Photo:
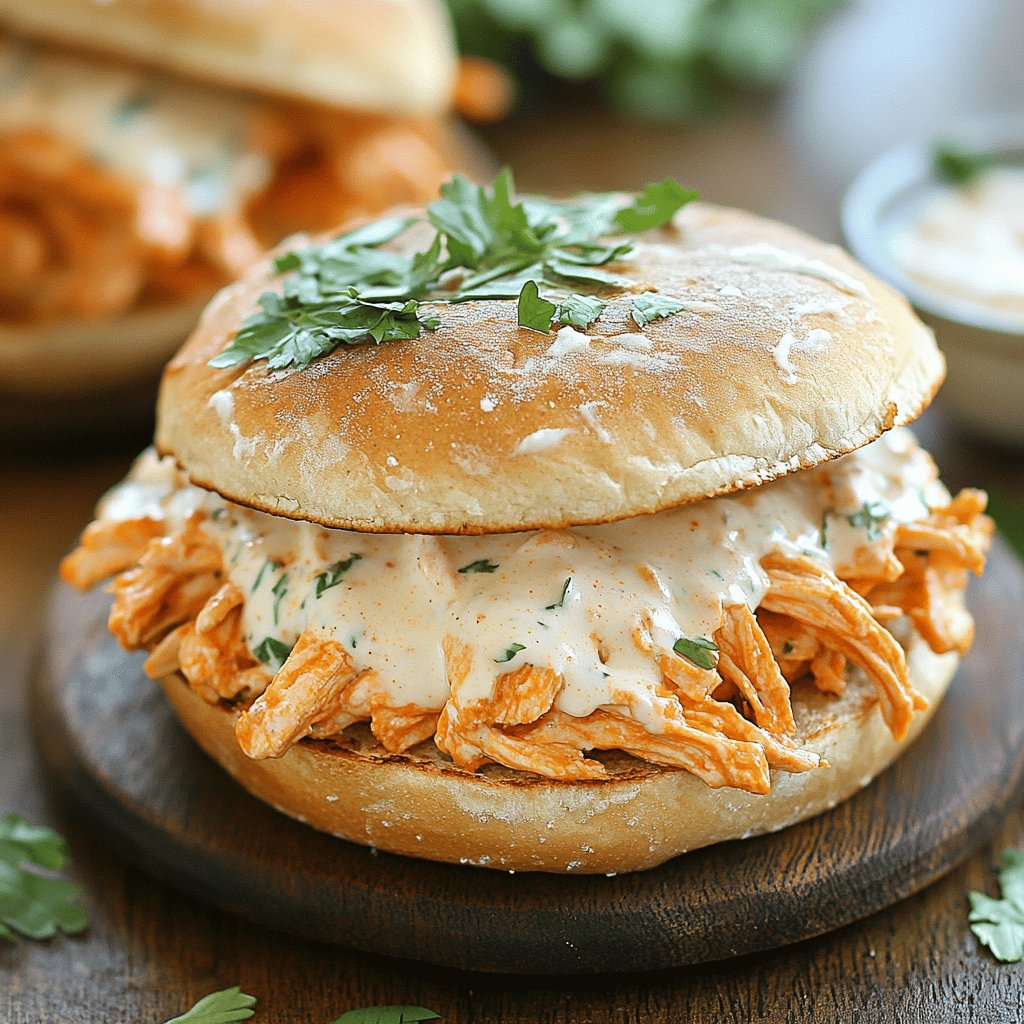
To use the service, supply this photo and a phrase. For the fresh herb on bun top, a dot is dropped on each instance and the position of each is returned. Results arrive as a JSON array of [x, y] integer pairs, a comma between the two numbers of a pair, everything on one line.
[[559, 535]]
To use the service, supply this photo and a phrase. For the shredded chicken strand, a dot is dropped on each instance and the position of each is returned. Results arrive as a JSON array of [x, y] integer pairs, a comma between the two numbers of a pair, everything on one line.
[[729, 725]]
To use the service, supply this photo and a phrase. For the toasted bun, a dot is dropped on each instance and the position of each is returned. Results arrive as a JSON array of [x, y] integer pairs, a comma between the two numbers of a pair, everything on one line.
[[392, 56], [640, 817], [790, 355]]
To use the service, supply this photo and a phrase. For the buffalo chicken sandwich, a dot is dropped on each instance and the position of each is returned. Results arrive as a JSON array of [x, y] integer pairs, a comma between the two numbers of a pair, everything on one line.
[[546, 535], [150, 152]]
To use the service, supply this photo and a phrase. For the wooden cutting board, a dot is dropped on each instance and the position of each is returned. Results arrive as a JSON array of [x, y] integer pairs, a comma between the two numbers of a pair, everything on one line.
[[114, 746]]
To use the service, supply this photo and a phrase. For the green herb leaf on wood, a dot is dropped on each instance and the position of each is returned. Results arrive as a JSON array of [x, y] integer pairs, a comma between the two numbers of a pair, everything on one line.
[[225, 1007], [387, 1015], [33, 903], [999, 923]]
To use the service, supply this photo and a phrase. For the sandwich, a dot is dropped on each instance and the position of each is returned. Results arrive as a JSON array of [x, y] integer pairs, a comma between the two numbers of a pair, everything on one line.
[[151, 152], [546, 535]]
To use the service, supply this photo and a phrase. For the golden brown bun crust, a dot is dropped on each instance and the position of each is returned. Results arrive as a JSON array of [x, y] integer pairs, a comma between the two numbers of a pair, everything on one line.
[[639, 818], [391, 56], [477, 427]]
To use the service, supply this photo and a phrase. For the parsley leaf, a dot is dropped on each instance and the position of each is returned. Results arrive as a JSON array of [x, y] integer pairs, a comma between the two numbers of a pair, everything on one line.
[[292, 330], [279, 589], [387, 1015], [488, 244], [823, 532], [535, 313], [334, 573], [480, 565], [697, 649], [999, 923], [871, 515], [34, 904], [959, 165], [510, 652], [225, 1007], [654, 207], [651, 306], [272, 652], [579, 311], [561, 599]]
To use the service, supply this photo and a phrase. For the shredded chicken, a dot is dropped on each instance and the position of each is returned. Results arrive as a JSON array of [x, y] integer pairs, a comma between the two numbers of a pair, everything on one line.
[[83, 240], [730, 724]]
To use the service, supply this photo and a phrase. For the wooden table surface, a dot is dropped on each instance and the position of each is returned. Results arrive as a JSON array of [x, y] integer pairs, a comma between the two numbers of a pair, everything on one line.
[[150, 952]]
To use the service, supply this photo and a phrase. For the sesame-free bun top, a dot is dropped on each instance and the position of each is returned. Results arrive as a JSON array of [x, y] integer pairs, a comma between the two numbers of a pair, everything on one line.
[[790, 354], [388, 56]]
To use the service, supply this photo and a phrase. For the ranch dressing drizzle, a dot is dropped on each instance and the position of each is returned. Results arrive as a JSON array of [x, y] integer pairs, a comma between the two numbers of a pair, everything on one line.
[[670, 574], [144, 125]]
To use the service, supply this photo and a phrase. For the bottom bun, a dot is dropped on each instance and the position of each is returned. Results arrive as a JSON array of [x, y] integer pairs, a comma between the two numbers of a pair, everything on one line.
[[420, 805]]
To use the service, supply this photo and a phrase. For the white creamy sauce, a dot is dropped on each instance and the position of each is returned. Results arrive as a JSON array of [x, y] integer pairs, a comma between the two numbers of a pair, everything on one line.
[[144, 125], [771, 257], [391, 600], [816, 340], [542, 440], [968, 242]]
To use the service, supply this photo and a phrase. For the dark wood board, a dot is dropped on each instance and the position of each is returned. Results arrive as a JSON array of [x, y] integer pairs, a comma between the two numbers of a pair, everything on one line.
[[115, 747]]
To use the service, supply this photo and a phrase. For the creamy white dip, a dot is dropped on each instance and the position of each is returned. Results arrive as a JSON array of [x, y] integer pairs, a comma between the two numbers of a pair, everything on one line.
[[967, 242]]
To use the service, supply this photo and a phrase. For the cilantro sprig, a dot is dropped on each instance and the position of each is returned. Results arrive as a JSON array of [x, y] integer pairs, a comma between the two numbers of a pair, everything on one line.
[[652, 306], [487, 243], [480, 565], [871, 515], [387, 1015], [698, 650], [335, 573], [510, 652], [539, 314], [999, 923], [34, 903], [958, 165], [272, 652], [228, 1006]]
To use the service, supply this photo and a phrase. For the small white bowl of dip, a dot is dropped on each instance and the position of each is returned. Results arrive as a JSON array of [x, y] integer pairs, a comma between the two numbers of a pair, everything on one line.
[[957, 252]]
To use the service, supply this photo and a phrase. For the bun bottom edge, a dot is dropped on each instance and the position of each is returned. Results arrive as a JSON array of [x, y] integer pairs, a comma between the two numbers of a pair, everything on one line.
[[642, 816]]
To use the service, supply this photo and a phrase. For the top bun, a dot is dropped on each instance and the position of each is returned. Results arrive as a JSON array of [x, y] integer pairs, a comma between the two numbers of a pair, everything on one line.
[[790, 354], [387, 56]]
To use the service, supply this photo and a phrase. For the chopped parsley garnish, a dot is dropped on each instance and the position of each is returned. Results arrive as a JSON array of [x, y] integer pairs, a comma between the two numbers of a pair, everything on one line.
[[958, 164], [652, 306], [387, 1015], [334, 573], [535, 312], [654, 207], [538, 314], [787, 647], [270, 564], [293, 329], [32, 902], [226, 1007], [487, 244], [561, 598], [480, 565], [871, 515], [823, 531], [510, 652], [999, 923], [272, 652], [697, 649], [279, 589]]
